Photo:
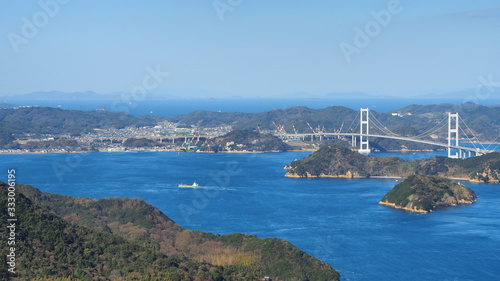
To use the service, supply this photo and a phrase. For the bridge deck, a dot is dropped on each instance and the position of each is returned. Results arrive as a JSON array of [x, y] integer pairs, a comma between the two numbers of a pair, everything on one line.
[[482, 151]]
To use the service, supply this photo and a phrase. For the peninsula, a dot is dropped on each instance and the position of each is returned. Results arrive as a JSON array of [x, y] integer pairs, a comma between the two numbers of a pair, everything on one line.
[[341, 162]]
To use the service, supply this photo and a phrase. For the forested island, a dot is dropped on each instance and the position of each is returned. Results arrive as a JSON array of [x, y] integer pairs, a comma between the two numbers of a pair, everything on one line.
[[341, 162], [422, 194], [129, 239]]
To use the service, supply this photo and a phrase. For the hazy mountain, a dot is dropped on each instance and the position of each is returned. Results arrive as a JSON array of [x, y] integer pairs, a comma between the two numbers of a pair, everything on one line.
[[57, 95], [476, 95], [6, 105]]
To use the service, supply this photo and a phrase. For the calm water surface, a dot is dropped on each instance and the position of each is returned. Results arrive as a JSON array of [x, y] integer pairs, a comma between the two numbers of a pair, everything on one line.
[[337, 220]]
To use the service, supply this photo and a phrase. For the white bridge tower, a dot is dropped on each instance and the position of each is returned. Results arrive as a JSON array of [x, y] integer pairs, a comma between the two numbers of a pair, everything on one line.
[[364, 130], [453, 131]]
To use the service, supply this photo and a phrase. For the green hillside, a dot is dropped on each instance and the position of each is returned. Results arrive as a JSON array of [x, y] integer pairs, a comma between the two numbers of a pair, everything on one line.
[[135, 222], [48, 246], [48, 120]]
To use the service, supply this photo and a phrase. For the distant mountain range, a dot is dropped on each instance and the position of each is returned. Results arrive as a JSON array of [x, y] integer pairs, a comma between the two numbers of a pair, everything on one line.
[[56, 95], [468, 95]]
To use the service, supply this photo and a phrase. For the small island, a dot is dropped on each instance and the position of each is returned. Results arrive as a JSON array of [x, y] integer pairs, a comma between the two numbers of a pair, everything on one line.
[[422, 194]]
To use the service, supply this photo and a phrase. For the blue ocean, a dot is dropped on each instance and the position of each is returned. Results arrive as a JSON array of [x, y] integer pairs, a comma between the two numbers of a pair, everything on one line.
[[336, 220]]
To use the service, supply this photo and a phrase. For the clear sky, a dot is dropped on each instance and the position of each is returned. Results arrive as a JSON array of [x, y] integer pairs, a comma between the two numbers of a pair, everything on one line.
[[251, 48]]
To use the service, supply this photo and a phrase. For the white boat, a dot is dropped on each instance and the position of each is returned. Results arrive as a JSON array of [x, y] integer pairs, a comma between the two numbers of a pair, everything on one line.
[[194, 185]]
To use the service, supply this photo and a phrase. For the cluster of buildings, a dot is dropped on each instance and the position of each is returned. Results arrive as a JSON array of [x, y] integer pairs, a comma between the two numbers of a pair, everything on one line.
[[167, 135]]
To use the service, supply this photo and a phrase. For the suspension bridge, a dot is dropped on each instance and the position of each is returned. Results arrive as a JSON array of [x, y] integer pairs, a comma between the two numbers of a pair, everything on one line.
[[368, 121]]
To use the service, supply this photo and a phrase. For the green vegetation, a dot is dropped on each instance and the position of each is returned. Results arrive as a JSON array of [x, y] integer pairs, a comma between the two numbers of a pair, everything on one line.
[[47, 120], [137, 143], [330, 117], [46, 245], [245, 140], [336, 161], [67, 144], [420, 193], [132, 239]]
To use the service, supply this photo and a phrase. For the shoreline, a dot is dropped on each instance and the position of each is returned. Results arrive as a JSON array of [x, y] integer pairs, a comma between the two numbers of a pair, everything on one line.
[[347, 176], [137, 150], [404, 208], [295, 176], [177, 150]]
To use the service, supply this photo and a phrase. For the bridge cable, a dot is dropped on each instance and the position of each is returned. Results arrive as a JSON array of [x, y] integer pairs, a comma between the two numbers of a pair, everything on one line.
[[470, 140], [353, 120], [439, 129], [382, 127], [471, 132], [433, 129], [493, 143]]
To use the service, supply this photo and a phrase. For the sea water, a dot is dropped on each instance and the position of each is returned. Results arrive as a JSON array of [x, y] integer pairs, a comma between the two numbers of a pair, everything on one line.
[[336, 220]]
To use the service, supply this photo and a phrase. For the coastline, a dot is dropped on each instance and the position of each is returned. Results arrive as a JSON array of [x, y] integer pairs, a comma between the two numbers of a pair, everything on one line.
[[403, 208], [349, 176], [136, 150], [340, 176], [346, 176], [175, 150]]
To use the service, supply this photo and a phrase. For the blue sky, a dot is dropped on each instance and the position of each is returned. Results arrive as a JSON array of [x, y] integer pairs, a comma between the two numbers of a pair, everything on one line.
[[256, 49]]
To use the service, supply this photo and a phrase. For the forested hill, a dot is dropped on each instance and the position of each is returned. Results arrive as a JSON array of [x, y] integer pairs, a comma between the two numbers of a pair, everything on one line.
[[46, 246], [336, 161], [49, 120], [330, 117], [119, 238]]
